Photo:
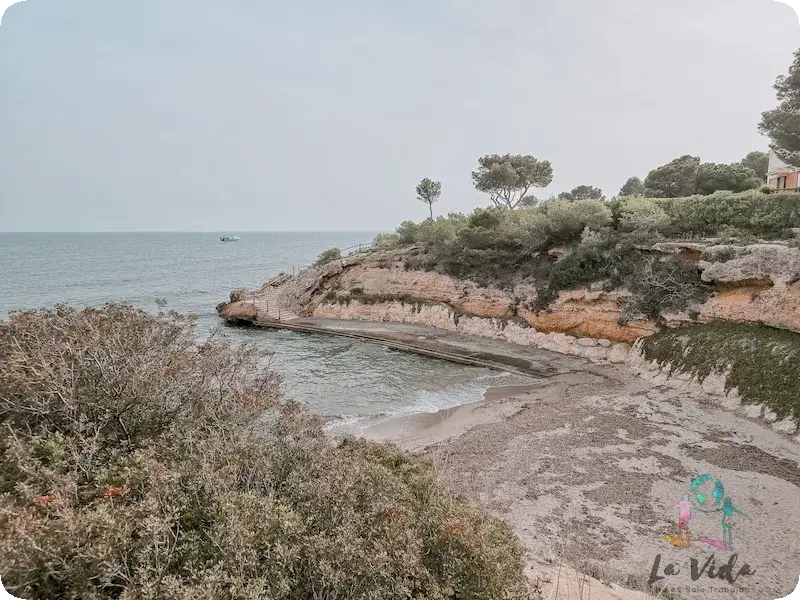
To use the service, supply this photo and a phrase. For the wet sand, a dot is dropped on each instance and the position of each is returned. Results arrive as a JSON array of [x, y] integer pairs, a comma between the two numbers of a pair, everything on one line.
[[587, 467]]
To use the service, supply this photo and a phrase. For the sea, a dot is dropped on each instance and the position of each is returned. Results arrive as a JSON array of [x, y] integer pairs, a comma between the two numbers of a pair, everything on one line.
[[350, 383]]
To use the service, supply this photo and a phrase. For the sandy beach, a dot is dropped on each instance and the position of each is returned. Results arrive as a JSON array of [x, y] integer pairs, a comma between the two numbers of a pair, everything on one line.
[[587, 467]]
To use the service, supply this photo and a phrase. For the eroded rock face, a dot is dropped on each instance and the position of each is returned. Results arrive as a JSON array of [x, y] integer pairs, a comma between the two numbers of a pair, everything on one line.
[[757, 283], [443, 317], [589, 314], [775, 307], [579, 312], [241, 311], [771, 264]]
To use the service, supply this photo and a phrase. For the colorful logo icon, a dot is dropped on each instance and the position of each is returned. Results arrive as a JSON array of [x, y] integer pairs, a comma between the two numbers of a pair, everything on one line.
[[705, 497]]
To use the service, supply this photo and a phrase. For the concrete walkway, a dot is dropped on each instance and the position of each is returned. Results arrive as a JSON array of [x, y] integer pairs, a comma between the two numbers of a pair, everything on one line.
[[446, 345]]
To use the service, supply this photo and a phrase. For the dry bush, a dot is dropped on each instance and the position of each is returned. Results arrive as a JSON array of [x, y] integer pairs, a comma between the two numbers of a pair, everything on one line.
[[135, 464]]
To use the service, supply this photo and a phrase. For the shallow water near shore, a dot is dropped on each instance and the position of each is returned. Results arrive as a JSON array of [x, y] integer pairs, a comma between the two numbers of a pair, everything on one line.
[[350, 383]]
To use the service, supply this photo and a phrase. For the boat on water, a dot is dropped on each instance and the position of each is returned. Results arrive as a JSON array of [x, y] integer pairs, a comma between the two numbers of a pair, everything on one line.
[[229, 238]]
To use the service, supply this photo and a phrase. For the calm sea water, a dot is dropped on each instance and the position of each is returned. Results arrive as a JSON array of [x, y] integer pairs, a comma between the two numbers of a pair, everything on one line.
[[348, 381]]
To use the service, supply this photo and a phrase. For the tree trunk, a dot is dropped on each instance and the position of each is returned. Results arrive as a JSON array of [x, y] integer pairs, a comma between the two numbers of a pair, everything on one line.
[[430, 205]]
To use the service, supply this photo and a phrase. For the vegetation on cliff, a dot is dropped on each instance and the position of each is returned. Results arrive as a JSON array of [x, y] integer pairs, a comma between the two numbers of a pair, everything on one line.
[[687, 176], [762, 363], [562, 244], [327, 256], [428, 191], [508, 178], [135, 464]]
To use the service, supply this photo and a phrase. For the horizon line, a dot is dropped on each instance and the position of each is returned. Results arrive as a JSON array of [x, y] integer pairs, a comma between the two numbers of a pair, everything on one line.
[[193, 231]]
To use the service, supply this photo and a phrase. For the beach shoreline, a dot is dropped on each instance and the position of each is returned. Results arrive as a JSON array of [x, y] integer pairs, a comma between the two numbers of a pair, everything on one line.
[[585, 467], [418, 431]]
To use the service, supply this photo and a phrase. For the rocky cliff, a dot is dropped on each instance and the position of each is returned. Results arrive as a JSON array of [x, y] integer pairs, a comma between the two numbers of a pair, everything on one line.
[[756, 283]]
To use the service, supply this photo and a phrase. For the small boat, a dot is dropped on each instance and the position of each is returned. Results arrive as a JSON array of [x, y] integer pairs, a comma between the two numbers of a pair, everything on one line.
[[229, 238]]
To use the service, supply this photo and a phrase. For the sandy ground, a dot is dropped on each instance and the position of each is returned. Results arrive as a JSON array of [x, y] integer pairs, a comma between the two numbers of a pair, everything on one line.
[[588, 467]]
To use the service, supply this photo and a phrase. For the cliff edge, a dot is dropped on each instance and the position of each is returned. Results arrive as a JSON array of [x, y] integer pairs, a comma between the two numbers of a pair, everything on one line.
[[758, 283]]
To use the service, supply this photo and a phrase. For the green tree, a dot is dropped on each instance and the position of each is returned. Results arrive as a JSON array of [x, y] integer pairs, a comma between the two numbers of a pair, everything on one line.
[[508, 178], [675, 179], [782, 124], [759, 162], [582, 192], [428, 191], [633, 187], [712, 177]]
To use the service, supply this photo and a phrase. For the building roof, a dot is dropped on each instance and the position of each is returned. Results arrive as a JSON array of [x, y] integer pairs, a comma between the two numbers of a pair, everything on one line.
[[776, 165]]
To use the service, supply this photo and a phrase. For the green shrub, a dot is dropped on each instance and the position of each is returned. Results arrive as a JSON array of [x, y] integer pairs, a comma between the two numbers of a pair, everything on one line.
[[406, 233], [733, 235], [532, 229], [490, 249], [386, 241], [642, 214], [607, 242], [433, 235], [763, 362], [135, 464], [328, 256], [601, 255], [658, 285], [762, 215], [567, 220]]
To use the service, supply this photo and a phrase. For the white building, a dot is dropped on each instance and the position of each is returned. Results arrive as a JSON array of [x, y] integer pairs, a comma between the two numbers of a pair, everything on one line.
[[780, 175]]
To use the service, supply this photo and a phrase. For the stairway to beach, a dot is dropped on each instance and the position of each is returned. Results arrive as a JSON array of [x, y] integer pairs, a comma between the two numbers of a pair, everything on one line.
[[269, 307]]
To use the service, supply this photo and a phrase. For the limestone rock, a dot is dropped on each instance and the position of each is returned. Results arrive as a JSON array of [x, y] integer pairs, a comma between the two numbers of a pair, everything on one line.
[[618, 353], [769, 416], [243, 311], [753, 411], [238, 294], [583, 313], [774, 263], [787, 426], [732, 400], [714, 384]]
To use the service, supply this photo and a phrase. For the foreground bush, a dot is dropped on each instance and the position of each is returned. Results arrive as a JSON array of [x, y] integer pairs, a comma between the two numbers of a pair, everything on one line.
[[134, 464]]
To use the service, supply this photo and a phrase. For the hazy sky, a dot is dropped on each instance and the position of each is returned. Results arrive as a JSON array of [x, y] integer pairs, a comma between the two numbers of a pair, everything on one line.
[[317, 115]]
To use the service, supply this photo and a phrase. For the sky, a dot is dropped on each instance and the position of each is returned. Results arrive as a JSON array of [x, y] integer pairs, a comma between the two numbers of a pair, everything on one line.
[[246, 115]]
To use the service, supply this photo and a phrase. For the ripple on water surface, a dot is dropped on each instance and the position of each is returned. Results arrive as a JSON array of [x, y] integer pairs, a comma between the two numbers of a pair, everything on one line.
[[352, 382], [346, 381]]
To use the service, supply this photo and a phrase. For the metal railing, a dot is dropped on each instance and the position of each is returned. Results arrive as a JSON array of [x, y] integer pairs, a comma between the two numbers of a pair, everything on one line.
[[355, 249], [345, 252]]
